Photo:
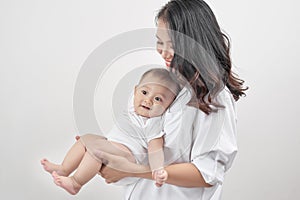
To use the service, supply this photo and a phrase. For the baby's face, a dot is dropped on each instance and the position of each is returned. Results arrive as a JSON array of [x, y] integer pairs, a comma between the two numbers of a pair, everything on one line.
[[152, 99]]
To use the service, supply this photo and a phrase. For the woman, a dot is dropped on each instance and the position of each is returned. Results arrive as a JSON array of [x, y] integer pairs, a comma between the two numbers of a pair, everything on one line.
[[208, 70]]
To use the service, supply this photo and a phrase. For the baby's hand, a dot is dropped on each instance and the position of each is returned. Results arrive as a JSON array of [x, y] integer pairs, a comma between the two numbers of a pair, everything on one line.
[[160, 176]]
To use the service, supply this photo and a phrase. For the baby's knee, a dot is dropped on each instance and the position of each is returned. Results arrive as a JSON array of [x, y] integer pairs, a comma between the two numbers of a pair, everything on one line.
[[91, 136]]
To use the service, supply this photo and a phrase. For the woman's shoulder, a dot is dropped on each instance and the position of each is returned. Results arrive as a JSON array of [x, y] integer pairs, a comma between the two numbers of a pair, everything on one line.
[[223, 103], [224, 94], [225, 99]]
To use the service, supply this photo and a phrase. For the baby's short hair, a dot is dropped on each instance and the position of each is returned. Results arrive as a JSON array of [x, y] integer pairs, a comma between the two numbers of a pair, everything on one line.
[[162, 77]]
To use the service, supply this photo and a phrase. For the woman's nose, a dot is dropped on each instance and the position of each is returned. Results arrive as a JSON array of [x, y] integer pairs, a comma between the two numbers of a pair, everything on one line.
[[165, 54]]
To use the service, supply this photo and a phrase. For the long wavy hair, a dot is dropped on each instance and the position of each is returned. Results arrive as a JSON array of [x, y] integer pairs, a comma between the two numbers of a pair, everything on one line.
[[207, 68]]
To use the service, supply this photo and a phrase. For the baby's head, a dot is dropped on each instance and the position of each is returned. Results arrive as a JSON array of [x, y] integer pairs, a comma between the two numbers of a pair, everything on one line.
[[155, 92]]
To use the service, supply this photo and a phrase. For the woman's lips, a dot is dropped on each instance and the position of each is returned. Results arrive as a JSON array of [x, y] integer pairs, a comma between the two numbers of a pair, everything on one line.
[[168, 63]]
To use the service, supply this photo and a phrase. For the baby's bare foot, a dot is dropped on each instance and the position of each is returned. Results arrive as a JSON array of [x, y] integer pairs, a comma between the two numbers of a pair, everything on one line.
[[67, 183], [51, 167], [48, 166]]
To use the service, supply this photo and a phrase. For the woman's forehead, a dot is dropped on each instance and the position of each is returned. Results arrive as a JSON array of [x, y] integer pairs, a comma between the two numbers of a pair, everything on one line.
[[162, 31]]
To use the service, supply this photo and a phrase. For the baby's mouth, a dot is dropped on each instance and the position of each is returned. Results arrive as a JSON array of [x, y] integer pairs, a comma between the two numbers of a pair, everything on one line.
[[146, 107]]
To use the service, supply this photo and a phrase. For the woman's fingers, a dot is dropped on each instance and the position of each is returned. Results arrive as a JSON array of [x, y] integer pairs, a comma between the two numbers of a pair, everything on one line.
[[104, 171], [110, 175]]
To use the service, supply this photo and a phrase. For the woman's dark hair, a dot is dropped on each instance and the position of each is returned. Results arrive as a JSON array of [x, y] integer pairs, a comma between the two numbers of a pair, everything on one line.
[[207, 68]]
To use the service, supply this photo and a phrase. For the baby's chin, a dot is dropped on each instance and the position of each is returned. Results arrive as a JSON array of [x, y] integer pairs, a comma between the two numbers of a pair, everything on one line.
[[150, 114]]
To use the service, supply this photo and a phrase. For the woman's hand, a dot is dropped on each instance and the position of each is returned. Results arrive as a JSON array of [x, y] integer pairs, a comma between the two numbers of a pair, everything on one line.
[[115, 167], [118, 167], [120, 163], [112, 175]]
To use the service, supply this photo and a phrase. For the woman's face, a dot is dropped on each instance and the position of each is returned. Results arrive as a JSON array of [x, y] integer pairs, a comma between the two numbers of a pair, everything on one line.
[[164, 44]]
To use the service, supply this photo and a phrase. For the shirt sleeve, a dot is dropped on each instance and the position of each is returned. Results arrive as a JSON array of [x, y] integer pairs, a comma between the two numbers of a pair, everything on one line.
[[154, 128], [214, 136]]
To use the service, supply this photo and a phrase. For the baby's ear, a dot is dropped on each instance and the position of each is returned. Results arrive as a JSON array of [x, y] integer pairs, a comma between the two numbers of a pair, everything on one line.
[[135, 88]]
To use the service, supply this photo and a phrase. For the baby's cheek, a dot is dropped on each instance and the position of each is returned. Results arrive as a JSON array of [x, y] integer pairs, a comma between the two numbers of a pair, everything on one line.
[[157, 110]]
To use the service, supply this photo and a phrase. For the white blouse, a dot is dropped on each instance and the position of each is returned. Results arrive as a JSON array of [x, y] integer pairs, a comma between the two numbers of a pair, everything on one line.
[[207, 141]]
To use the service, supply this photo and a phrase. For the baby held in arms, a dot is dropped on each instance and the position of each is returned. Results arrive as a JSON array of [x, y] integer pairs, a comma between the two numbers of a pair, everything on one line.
[[141, 124]]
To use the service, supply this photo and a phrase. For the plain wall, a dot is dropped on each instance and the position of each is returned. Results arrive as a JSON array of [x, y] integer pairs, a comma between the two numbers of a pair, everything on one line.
[[44, 43]]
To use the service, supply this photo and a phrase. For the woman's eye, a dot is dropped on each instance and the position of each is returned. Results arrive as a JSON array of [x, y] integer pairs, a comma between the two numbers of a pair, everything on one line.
[[158, 99], [159, 43]]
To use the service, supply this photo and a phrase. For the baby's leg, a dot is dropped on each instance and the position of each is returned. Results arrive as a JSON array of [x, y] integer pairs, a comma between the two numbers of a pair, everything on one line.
[[87, 169], [70, 163], [113, 148], [122, 150]]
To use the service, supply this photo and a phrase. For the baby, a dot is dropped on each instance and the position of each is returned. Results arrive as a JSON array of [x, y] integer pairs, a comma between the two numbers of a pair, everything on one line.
[[154, 93]]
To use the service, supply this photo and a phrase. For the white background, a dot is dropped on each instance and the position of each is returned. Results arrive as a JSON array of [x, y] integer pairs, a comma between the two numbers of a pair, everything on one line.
[[44, 43]]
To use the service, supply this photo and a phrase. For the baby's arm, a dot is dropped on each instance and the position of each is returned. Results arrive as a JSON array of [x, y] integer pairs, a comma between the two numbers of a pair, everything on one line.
[[156, 160]]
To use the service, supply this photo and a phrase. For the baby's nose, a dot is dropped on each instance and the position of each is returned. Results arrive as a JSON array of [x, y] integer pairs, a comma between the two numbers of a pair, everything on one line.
[[148, 102]]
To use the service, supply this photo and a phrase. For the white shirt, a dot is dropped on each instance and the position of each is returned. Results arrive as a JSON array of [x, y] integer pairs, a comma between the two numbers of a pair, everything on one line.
[[207, 141], [135, 132]]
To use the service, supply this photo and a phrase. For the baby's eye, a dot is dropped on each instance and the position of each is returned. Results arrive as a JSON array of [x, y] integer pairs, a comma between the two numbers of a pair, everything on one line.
[[158, 99], [144, 92]]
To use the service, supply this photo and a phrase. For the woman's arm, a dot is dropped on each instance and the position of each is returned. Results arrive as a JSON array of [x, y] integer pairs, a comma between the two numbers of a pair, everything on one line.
[[181, 174], [185, 175]]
